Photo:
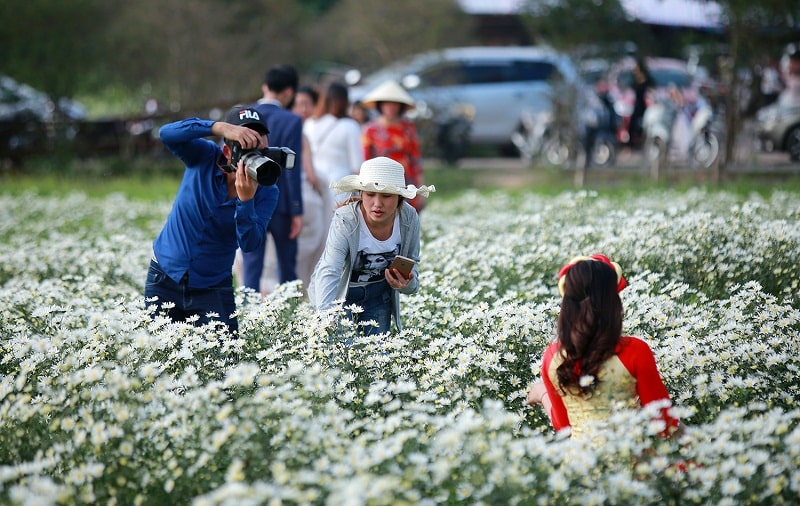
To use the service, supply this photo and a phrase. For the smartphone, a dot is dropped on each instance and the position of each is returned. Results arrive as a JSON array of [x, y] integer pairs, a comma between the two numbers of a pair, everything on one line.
[[402, 264]]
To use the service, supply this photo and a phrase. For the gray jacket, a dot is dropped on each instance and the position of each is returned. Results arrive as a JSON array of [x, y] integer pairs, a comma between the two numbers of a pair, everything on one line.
[[331, 276]]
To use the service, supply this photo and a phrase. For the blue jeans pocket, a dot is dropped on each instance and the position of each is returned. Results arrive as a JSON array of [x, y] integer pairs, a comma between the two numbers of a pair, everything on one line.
[[155, 275]]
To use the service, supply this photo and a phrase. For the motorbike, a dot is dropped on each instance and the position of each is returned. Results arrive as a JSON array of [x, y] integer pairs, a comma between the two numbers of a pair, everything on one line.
[[444, 131], [529, 136], [600, 138], [672, 135], [539, 136], [453, 132]]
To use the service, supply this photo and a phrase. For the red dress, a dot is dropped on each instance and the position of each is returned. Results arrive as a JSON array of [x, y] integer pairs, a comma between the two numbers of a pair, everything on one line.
[[630, 377], [399, 142]]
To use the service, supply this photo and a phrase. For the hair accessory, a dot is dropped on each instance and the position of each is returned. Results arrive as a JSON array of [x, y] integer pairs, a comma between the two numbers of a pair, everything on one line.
[[381, 175], [621, 281], [389, 91]]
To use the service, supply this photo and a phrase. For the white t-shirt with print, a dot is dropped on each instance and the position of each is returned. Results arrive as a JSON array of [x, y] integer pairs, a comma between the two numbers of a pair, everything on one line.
[[374, 256]]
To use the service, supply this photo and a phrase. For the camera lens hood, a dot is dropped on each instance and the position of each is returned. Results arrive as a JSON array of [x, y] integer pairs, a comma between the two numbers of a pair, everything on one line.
[[261, 168]]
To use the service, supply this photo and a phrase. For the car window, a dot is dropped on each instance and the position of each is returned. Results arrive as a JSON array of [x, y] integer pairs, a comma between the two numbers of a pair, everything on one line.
[[7, 96], [665, 77], [445, 74], [534, 71], [453, 73], [661, 77], [625, 79], [483, 73], [394, 71]]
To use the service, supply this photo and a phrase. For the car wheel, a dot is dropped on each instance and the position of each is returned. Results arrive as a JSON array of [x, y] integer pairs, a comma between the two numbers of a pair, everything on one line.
[[793, 144], [556, 152]]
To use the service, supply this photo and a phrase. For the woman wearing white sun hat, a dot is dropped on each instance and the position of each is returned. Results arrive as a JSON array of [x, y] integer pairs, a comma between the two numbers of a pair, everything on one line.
[[365, 236]]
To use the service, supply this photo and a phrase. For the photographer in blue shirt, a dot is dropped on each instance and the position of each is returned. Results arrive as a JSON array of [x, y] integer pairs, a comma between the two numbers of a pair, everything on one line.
[[218, 209]]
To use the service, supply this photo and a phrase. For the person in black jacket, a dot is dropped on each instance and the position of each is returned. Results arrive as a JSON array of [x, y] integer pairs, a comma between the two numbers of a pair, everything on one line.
[[285, 130], [642, 83]]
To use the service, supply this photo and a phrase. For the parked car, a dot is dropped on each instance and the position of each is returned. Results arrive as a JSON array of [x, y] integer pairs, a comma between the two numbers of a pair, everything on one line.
[[778, 128], [19, 100], [593, 70], [664, 71], [500, 84], [28, 118]]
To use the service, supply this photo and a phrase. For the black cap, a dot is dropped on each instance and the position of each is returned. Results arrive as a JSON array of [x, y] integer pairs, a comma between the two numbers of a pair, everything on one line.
[[247, 116]]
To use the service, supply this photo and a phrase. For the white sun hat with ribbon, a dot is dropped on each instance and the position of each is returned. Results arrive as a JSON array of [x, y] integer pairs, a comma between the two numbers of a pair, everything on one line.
[[381, 175]]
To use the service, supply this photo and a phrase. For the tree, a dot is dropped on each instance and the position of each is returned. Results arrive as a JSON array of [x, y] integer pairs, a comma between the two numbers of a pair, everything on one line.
[[190, 55], [204, 52], [46, 43], [574, 24], [752, 29], [369, 34]]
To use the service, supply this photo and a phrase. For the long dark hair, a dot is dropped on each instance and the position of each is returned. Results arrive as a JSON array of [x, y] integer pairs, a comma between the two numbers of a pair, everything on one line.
[[589, 324], [336, 100], [312, 93]]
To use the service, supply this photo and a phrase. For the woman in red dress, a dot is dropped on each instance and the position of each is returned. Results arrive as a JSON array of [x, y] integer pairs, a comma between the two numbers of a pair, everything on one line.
[[392, 135], [592, 369]]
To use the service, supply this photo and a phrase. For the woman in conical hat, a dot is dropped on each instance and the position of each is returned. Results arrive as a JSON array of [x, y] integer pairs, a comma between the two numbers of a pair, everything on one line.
[[392, 135], [364, 238]]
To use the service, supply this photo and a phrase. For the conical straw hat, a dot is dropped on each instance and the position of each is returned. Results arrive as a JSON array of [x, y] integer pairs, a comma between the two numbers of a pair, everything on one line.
[[390, 91]]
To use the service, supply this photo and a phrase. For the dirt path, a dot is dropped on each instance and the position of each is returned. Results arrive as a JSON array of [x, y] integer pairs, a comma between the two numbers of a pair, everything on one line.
[[512, 172]]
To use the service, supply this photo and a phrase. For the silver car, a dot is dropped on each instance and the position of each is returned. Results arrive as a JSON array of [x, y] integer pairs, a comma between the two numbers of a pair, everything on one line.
[[501, 84], [778, 128], [27, 116]]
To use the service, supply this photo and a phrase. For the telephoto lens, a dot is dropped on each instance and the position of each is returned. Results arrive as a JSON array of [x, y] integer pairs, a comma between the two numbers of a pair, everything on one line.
[[261, 168]]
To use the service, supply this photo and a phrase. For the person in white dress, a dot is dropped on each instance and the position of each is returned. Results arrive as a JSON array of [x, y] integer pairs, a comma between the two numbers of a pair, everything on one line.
[[317, 206], [335, 139]]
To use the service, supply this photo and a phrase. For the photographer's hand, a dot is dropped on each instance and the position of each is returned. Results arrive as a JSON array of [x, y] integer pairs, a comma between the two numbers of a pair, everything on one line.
[[245, 186], [247, 137]]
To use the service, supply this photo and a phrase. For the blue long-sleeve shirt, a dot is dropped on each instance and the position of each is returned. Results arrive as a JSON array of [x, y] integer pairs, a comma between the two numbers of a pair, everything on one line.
[[205, 227]]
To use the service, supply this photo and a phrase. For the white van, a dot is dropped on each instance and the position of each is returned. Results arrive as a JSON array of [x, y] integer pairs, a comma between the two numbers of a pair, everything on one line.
[[502, 84]]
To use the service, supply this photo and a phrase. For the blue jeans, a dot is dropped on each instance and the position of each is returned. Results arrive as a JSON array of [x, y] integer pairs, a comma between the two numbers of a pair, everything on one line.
[[191, 301], [376, 300], [280, 226]]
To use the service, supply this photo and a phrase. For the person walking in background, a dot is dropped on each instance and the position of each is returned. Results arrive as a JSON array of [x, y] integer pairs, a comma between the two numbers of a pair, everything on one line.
[[642, 83], [218, 209], [335, 138], [771, 83], [286, 130], [359, 112], [365, 236], [790, 73], [317, 206], [591, 368], [392, 135]]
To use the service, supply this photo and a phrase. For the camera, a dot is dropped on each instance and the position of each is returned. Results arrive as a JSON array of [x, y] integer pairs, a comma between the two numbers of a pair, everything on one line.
[[262, 165]]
